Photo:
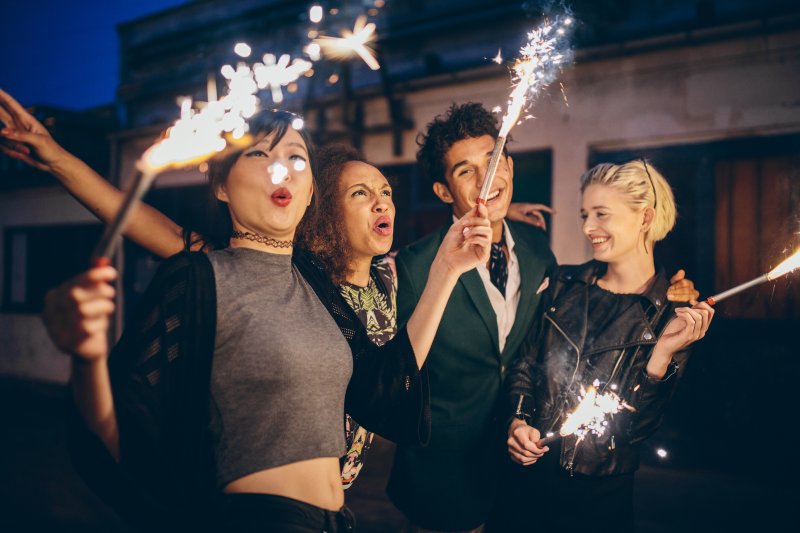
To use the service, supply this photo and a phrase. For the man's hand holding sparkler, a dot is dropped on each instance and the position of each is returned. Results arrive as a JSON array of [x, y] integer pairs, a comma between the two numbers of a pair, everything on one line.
[[522, 440], [689, 326]]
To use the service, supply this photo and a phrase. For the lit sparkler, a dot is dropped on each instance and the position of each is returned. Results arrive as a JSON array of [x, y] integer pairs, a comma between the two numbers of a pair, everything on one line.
[[590, 416], [350, 43], [782, 269], [541, 59], [277, 74]]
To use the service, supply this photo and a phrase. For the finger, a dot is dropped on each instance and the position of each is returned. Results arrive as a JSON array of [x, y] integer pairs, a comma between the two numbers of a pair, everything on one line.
[[18, 135], [518, 448], [679, 275], [6, 118], [15, 108], [101, 274], [92, 309], [543, 207]]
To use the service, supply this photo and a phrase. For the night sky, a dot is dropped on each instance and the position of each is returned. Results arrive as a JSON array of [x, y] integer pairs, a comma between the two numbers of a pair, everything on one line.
[[64, 53]]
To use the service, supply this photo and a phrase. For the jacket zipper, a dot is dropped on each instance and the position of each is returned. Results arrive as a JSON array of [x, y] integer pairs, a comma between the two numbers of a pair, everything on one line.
[[571, 463]]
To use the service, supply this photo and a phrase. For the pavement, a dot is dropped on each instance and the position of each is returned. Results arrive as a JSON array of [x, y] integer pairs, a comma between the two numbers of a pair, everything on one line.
[[40, 491]]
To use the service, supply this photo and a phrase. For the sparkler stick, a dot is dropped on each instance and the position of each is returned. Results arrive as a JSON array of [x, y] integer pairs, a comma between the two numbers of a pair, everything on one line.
[[782, 269], [541, 60]]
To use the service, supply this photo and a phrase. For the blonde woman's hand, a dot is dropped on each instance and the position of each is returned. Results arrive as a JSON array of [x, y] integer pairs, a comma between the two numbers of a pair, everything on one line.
[[521, 442]]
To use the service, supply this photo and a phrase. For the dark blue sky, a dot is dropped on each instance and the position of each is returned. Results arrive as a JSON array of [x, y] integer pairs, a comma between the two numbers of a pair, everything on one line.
[[64, 53]]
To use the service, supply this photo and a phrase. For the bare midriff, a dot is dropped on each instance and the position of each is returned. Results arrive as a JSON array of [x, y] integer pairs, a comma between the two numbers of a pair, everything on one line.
[[316, 481]]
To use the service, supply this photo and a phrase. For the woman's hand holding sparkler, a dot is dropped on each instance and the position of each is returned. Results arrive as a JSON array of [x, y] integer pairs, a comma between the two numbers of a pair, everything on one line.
[[689, 326], [468, 243], [529, 213], [522, 440], [76, 313]]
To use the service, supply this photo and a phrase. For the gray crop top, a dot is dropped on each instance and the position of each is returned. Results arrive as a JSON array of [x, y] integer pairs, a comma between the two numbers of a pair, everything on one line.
[[280, 370]]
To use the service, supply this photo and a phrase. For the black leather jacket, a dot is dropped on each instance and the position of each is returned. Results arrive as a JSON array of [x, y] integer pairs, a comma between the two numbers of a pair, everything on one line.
[[558, 359]]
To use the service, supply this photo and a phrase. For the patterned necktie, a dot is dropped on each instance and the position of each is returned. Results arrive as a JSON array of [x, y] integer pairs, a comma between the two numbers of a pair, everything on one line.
[[498, 266]]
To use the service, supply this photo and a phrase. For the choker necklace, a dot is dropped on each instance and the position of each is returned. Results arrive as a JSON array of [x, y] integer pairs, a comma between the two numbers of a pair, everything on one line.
[[255, 237]]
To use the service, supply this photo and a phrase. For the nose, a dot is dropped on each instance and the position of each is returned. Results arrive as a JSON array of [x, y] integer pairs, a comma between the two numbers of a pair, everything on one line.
[[382, 204], [279, 172]]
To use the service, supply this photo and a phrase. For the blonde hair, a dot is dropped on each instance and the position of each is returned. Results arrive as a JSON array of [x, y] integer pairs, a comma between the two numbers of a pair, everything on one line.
[[643, 186]]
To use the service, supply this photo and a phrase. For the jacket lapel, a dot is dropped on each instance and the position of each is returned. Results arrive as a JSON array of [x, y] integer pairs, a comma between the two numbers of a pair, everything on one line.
[[472, 283], [532, 271]]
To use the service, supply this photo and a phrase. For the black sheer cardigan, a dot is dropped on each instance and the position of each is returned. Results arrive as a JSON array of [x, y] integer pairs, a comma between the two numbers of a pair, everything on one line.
[[160, 372]]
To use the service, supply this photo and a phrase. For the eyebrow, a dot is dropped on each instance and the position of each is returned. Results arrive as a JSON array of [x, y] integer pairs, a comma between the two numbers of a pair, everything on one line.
[[365, 186], [465, 162]]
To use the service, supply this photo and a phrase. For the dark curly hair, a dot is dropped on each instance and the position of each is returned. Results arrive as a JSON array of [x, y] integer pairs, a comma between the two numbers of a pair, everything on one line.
[[322, 230], [216, 231], [458, 123]]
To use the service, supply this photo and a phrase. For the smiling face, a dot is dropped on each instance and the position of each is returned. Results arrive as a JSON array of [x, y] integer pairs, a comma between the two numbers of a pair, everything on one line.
[[465, 168], [365, 197], [263, 201], [616, 231]]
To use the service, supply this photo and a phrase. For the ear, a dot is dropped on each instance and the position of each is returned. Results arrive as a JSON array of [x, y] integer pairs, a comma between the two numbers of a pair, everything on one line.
[[221, 194], [311, 195], [510, 166], [441, 190], [648, 215]]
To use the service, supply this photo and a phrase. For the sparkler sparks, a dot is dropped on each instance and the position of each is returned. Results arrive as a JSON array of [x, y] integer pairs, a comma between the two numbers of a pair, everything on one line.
[[540, 61], [591, 413], [351, 43], [274, 74]]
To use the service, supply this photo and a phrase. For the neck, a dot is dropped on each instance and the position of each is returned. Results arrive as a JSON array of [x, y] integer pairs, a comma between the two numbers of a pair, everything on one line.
[[631, 276], [262, 243], [497, 230], [358, 271]]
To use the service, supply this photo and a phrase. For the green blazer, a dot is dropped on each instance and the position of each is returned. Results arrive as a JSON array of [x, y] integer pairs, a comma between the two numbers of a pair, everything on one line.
[[442, 486]]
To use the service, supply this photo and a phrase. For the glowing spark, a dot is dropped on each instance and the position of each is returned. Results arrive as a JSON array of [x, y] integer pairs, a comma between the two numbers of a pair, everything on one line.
[[276, 74], [662, 453], [497, 109], [785, 267], [313, 50], [315, 13], [540, 61], [350, 43], [278, 171], [499, 57], [299, 166], [242, 49], [298, 123], [590, 415]]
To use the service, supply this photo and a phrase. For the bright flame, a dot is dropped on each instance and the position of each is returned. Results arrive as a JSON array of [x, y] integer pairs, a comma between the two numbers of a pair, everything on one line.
[[590, 415], [661, 452], [785, 267], [542, 58], [350, 43]]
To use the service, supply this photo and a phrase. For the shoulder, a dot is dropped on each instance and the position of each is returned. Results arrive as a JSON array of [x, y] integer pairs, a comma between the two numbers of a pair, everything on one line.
[[424, 249], [533, 237]]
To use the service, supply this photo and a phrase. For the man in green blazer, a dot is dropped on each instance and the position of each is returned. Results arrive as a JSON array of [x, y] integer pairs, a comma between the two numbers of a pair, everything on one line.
[[450, 485]]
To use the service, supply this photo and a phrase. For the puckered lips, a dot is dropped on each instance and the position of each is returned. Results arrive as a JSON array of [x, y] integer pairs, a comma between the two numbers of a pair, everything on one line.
[[281, 197], [383, 226]]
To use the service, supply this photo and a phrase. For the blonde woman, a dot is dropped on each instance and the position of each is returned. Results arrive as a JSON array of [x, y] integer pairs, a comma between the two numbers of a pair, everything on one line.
[[608, 323]]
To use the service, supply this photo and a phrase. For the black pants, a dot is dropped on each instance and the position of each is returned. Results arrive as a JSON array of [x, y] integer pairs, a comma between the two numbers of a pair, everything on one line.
[[544, 496], [276, 514]]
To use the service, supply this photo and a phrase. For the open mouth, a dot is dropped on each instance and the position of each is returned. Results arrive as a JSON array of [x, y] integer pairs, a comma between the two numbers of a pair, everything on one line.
[[281, 197], [383, 226]]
